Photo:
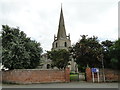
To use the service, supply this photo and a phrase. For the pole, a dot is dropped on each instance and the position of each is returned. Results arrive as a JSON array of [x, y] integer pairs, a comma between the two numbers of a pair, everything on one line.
[[98, 77], [93, 77], [103, 68]]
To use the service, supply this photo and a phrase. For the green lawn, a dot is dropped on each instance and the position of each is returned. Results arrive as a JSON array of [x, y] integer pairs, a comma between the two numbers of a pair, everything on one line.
[[74, 77]]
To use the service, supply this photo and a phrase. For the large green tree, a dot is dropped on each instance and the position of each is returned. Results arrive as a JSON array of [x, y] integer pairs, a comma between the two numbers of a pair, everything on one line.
[[106, 52], [60, 58], [87, 52], [19, 51], [115, 55], [0, 50]]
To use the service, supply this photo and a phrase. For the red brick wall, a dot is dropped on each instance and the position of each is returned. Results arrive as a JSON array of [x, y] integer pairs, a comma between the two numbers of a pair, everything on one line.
[[67, 74], [27, 76], [88, 74], [110, 75]]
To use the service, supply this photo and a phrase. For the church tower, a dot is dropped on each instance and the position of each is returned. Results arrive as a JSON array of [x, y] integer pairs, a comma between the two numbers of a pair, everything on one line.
[[62, 41]]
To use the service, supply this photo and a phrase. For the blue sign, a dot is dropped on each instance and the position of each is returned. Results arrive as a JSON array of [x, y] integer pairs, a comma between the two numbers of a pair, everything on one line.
[[95, 70]]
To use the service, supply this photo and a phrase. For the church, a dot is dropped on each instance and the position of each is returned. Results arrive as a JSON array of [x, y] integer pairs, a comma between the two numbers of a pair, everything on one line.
[[61, 41]]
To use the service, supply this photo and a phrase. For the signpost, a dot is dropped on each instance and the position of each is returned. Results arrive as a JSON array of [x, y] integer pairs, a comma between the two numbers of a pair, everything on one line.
[[95, 70]]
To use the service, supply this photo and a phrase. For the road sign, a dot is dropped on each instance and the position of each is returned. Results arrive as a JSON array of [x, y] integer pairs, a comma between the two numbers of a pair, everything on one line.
[[95, 70]]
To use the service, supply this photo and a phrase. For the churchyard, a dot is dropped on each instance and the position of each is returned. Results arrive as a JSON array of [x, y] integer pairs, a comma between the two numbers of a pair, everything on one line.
[[88, 63]]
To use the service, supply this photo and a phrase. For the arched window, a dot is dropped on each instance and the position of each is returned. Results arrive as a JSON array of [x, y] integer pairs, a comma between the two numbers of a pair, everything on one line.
[[56, 45], [48, 66], [65, 44]]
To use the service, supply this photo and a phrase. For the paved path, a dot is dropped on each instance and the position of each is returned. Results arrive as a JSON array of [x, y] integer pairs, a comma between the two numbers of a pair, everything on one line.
[[65, 85]]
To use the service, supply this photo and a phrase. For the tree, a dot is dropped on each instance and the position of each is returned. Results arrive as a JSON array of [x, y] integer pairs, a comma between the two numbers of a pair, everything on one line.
[[19, 51], [115, 55], [87, 52], [60, 58], [106, 52], [0, 50]]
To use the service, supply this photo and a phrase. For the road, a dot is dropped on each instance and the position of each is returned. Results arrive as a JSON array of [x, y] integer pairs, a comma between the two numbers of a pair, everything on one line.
[[64, 85]]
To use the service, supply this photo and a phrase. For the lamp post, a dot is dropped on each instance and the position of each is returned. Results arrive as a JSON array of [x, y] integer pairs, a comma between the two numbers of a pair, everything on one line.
[[103, 72]]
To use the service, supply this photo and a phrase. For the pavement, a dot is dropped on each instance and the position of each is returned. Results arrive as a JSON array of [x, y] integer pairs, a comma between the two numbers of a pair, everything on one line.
[[81, 84]]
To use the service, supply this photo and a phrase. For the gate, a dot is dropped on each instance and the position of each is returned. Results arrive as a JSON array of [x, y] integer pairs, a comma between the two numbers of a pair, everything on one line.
[[82, 77], [77, 77]]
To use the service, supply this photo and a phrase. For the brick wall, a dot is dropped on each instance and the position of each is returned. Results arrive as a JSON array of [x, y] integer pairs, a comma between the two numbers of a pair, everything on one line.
[[88, 74], [27, 76], [110, 75]]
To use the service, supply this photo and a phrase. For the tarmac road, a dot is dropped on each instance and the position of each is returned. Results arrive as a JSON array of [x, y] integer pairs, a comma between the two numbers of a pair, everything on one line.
[[81, 84]]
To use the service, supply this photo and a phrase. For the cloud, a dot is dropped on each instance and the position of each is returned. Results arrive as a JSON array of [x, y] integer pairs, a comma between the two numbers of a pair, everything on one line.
[[39, 19], [95, 21]]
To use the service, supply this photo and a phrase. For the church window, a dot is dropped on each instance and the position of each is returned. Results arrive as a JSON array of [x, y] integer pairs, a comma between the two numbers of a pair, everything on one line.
[[48, 66], [56, 45], [65, 44]]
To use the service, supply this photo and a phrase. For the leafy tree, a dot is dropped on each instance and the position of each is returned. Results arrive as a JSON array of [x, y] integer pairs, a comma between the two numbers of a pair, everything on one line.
[[60, 58], [0, 50], [87, 52], [19, 51], [115, 55], [106, 52]]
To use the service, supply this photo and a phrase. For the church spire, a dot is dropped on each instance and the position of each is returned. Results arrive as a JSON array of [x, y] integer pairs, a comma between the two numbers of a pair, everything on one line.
[[61, 29], [61, 41]]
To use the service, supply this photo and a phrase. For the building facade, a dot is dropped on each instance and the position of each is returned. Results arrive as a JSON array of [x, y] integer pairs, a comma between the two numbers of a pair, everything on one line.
[[61, 41]]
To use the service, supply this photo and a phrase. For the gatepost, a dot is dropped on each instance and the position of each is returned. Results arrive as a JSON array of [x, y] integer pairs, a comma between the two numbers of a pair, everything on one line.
[[88, 74]]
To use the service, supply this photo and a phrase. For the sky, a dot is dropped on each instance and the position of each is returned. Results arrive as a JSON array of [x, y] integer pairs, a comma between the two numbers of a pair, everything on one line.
[[39, 19]]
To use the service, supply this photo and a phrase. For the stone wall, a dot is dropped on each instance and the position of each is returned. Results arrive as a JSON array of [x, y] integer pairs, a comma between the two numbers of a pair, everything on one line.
[[28, 76], [110, 75]]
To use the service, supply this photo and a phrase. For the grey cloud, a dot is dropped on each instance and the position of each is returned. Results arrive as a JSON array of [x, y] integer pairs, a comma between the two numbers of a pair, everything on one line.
[[87, 12], [40, 19]]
